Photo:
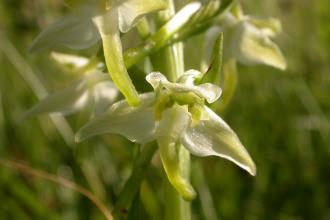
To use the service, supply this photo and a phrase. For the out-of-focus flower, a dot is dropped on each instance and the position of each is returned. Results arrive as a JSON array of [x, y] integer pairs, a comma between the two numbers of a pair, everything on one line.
[[94, 88], [79, 31], [248, 39], [253, 45]]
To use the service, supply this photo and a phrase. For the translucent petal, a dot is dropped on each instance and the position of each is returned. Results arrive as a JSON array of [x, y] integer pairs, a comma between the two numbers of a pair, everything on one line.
[[96, 77], [189, 77], [135, 123], [104, 94], [66, 101], [173, 123], [130, 11], [107, 23], [207, 90], [156, 79], [215, 137], [75, 32], [69, 60], [270, 26], [252, 46]]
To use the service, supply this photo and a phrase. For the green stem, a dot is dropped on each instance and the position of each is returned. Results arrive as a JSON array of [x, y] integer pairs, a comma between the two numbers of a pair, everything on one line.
[[189, 21], [133, 184], [143, 28], [170, 61], [204, 193], [176, 208], [161, 38]]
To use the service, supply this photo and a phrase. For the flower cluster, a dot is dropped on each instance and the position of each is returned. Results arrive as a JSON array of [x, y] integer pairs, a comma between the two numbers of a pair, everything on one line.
[[176, 113]]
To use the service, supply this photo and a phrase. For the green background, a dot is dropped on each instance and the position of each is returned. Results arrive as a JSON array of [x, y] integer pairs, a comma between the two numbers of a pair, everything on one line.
[[281, 117]]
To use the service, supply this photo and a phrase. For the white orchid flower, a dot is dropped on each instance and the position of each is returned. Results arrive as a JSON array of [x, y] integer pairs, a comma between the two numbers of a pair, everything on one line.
[[94, 88], [111, 18], [252, 45], [175, 114], [248, 39]]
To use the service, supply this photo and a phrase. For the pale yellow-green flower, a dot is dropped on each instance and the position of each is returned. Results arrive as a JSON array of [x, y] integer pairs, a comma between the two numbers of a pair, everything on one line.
[[248, 39], [175, 114]]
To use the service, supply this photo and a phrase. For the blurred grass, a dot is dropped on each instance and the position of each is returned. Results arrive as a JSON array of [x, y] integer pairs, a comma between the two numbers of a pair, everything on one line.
[[281, 117]]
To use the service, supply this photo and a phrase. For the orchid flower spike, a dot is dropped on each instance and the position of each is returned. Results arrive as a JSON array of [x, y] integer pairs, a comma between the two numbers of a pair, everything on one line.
[[174, 114]]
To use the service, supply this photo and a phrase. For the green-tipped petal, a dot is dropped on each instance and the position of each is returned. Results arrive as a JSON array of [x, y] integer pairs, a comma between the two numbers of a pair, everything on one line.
[[130, 11], [107, 25], [207, 90], [135, 123], [215, 137], [66, 101], [75, 32], [173, 122], [252, 46]]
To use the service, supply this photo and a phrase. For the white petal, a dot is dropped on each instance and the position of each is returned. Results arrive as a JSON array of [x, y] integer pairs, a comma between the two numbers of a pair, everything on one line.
[[135, 123], [104, 94], [70, 60], [252, 46], [189, 77], [130, 11], [76, 32], [215, 137], [208, 91], [156, 79], [96, 77], [270, 26], [66, 102], [174, 122]]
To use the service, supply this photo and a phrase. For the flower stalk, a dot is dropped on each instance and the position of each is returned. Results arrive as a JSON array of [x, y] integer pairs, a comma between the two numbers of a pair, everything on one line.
[[134, 182], [176, 208]]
